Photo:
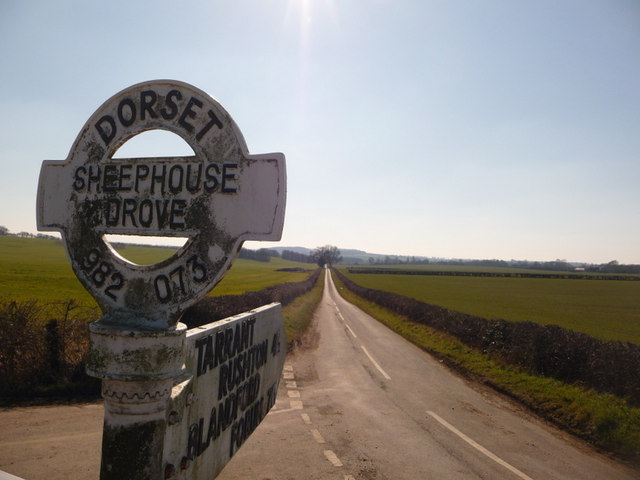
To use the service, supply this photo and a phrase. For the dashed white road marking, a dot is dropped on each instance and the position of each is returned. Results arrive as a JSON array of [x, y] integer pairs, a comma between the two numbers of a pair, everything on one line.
[[295, 404], [479, 447], [351, 331], [305, 418], [333, 458], [317, 436], [353, 334], [375, 364], [294, 395]]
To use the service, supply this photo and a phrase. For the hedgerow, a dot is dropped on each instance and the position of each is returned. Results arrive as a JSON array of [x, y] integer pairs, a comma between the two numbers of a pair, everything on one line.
[[43, 347], [547, 350]]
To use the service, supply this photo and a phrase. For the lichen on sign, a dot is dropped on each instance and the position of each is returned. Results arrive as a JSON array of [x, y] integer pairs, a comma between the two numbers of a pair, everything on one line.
[[218, 198]]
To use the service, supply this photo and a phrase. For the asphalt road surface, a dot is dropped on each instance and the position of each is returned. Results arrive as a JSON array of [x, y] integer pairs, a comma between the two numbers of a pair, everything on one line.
[[355, 402], [366, 404]]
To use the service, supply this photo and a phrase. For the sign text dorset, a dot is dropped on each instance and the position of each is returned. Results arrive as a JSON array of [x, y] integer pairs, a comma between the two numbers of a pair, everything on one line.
[[218, 198]]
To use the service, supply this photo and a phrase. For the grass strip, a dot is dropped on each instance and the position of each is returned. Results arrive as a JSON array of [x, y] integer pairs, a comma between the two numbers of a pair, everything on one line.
[[604, 420], [298, 314]]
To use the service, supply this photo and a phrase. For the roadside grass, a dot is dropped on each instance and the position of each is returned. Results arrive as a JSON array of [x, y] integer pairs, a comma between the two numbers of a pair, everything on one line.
[[38, 269], [604, 420], [298, 314], [251, 275], [605, 309]]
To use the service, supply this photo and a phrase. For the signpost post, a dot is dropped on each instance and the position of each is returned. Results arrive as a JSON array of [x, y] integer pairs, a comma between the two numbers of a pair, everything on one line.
[[178, 403]]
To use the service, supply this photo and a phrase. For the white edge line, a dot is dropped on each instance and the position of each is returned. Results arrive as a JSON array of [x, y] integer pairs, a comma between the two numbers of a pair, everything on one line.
[[479, 447], [375, 364]]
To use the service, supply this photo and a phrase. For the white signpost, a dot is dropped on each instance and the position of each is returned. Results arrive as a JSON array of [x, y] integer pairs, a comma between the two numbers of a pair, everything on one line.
[[234, 367], [178, 404]]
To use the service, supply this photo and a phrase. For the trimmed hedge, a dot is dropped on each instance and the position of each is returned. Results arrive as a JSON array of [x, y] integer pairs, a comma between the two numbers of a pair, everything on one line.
[[211, 309], [548, 350], [43, 348]]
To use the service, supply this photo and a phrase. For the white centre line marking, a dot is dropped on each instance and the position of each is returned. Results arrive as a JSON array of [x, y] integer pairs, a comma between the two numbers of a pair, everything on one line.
[[333, 458], [351, 331], [353, 334], [479, 447], [375, 364], [305, 418], [317, 436]]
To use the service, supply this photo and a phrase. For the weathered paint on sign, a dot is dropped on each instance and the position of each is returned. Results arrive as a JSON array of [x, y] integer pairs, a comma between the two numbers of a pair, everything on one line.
[[233, 370], [218, 198], [177, 403]]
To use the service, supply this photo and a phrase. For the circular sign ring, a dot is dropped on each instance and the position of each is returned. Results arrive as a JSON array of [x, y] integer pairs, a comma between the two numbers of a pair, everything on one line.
[[217, 198]]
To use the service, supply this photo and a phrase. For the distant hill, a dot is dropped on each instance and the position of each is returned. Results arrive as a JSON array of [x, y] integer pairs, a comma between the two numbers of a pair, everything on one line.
[[350, 256]]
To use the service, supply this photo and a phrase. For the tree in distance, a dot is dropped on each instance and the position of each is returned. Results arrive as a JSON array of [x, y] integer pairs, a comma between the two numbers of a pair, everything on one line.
[[327, 255]]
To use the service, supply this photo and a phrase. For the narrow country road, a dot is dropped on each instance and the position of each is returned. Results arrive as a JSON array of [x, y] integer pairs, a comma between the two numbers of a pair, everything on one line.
[[369, 405], [355, 402]]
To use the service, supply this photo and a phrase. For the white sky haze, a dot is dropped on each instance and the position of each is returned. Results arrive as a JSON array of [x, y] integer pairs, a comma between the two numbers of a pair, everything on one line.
[[464, 129]]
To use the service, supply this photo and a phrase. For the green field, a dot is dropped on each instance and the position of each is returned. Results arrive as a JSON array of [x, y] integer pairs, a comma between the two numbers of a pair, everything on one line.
[[607, 309], [38, 269]]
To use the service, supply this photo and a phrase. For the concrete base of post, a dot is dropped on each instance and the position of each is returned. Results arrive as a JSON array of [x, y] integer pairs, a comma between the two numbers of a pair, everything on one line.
[[138, 369]]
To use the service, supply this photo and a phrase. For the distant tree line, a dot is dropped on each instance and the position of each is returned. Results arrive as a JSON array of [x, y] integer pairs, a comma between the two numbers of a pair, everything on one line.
[[296, 256], [325, 255], [396, 260], [5, 231], [558, 265], [261, 255], [331, 255]]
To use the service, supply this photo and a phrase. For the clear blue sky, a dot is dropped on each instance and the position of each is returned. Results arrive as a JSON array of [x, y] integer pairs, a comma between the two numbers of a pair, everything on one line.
[[467, 129]]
